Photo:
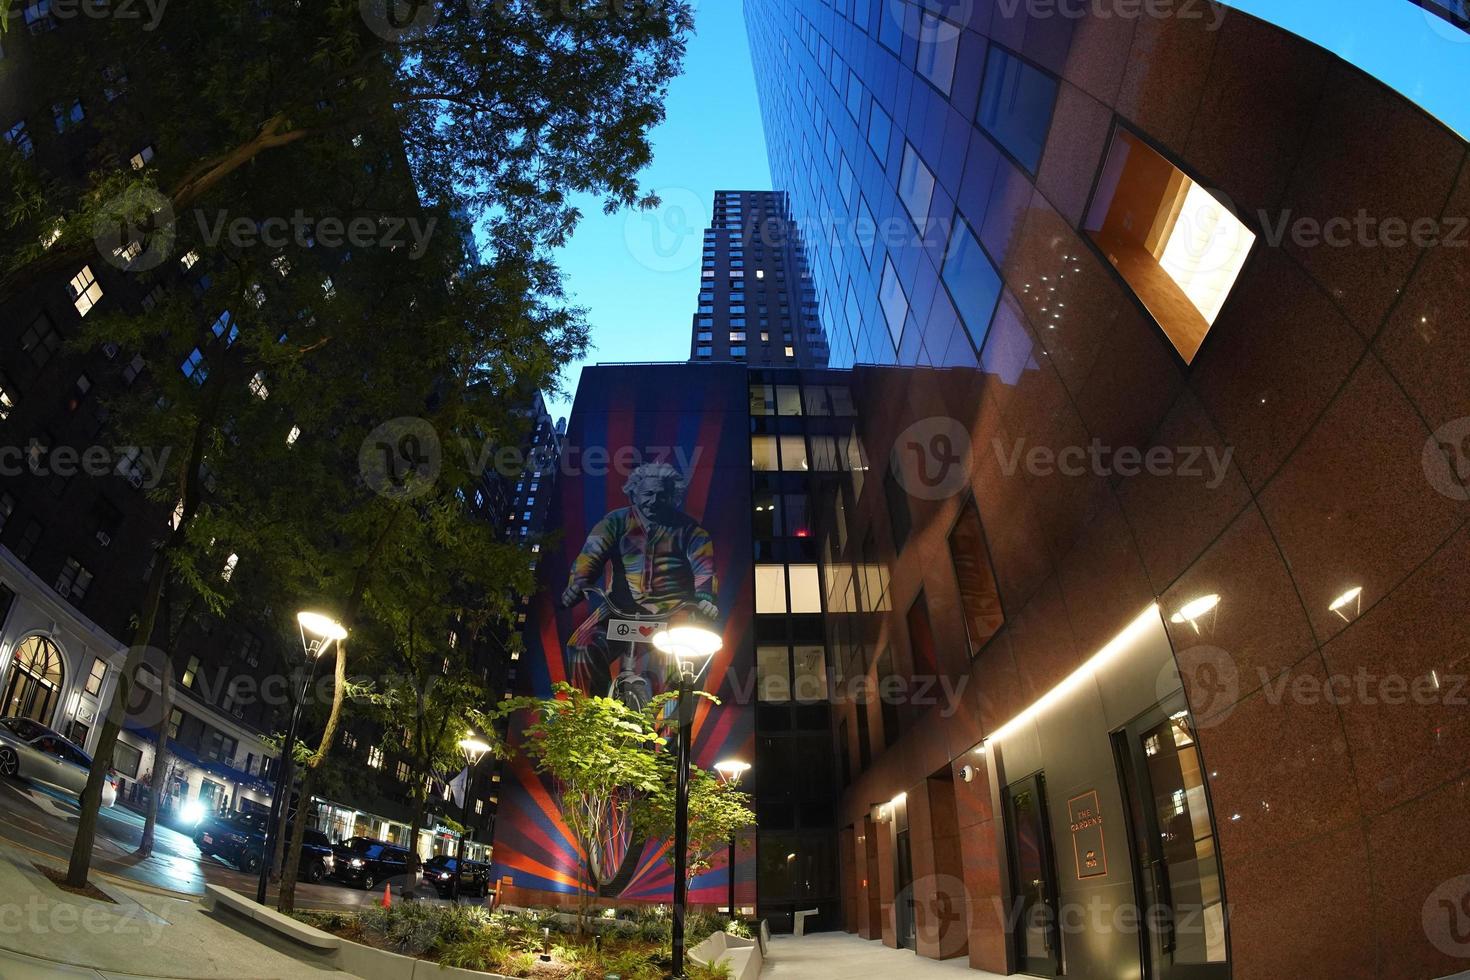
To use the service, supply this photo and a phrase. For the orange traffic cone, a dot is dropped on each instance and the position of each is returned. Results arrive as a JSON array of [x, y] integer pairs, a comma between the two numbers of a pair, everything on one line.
[[387, 896]]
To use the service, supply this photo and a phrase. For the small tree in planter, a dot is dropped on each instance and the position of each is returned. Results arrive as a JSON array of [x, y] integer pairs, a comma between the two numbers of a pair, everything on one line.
[[717, 812], [601, 755]]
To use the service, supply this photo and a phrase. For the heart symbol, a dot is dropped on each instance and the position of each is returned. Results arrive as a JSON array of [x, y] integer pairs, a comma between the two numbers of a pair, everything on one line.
[[645, 630]]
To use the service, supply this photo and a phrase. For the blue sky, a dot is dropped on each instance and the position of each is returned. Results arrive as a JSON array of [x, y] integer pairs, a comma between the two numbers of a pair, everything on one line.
[[637, 273]]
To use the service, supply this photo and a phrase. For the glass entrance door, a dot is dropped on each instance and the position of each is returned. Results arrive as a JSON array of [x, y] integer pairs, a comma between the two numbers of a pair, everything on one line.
[[904, 910], [1175, 854], [1033, 879]]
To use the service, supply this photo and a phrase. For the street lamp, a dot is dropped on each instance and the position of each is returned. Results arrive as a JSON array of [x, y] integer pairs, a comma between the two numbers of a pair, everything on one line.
[[731, 771], [318, 633], [691, 644], [474, 750]]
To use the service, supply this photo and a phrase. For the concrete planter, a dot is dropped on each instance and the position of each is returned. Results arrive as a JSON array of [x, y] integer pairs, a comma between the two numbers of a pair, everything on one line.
[[364, 961]]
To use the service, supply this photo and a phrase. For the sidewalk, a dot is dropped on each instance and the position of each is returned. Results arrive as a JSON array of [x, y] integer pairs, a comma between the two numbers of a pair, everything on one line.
[[46, 932], [839, 956]]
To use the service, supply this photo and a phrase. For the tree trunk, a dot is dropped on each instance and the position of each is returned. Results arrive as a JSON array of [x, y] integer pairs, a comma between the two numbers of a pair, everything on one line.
[[160, 757], [286, 900], [416, 824], [286, 896], [91, 801]]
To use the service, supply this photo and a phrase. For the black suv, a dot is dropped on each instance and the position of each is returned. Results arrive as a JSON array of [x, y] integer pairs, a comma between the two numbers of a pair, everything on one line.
[[364, 862], [240, 839], [473, 881]]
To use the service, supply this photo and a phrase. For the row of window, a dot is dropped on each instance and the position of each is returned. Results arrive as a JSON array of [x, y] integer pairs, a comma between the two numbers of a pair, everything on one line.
[[789, 453]]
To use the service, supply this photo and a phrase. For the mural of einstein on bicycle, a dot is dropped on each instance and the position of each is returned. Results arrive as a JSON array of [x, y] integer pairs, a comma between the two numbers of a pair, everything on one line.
[[655, 560]]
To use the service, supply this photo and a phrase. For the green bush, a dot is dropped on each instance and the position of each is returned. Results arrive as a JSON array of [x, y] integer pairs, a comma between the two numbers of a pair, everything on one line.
[[477, 952]]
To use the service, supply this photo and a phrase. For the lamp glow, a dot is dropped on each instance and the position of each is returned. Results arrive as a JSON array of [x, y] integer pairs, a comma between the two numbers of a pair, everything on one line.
[[1345, 598], [320, 625], [473, 748], [732, 770], [193, 813], [1194, 609], [688, 642]]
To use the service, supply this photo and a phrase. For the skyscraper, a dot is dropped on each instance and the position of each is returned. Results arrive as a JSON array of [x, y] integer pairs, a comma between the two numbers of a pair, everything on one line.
[[1106, 230], [756, 302]]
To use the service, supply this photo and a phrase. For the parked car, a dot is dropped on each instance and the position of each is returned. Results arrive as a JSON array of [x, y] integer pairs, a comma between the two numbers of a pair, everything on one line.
[[240, 839], [35, 752], [364, 862], [474, 880]]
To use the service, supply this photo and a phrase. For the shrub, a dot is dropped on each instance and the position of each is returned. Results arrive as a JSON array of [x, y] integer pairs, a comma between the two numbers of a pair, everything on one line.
[[476, 952]]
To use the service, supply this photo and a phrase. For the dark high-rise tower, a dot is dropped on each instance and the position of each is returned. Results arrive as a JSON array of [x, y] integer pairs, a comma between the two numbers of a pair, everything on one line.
[[756, 300]]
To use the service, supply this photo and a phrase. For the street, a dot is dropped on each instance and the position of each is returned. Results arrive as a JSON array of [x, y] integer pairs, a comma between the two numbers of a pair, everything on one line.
[[44, 821]]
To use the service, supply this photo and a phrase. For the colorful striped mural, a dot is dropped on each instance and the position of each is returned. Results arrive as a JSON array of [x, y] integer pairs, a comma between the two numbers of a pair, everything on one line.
[[695, 419]]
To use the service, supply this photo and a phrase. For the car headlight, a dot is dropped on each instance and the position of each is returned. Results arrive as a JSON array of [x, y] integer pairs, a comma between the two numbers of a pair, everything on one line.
[[356, 862], [329, 862], [444, 876]]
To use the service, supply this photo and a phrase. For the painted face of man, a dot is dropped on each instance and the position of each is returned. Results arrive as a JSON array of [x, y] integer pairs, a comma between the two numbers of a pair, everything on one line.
[[656, 501]]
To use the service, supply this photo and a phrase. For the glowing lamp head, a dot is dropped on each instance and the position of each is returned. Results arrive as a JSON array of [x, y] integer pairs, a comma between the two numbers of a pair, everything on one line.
[[473, 748], [690, 644], [318, 632], [732, 771]]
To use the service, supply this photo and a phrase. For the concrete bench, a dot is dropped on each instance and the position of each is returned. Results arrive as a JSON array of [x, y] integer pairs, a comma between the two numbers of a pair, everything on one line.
[[742, 956], [801, 918], [218, 897]]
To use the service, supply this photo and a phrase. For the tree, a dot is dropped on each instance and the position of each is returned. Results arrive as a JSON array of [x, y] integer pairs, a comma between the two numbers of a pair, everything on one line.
[[505, 108], [717, 813], [601, 755], [291, 353]]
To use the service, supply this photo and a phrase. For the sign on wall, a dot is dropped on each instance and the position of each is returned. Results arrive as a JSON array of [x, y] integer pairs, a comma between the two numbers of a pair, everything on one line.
[[1084, 818]]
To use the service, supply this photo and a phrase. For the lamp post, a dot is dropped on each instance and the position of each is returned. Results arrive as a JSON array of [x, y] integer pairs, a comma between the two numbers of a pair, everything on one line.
[[731, 771], [474, 749], [691, 644], [318, 633]]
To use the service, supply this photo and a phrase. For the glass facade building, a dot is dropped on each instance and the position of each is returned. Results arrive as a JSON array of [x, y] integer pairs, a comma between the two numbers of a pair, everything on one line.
[[1066, 249]]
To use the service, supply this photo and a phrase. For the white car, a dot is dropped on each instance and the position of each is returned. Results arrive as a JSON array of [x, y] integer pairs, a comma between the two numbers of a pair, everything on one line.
[[35, 752]]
